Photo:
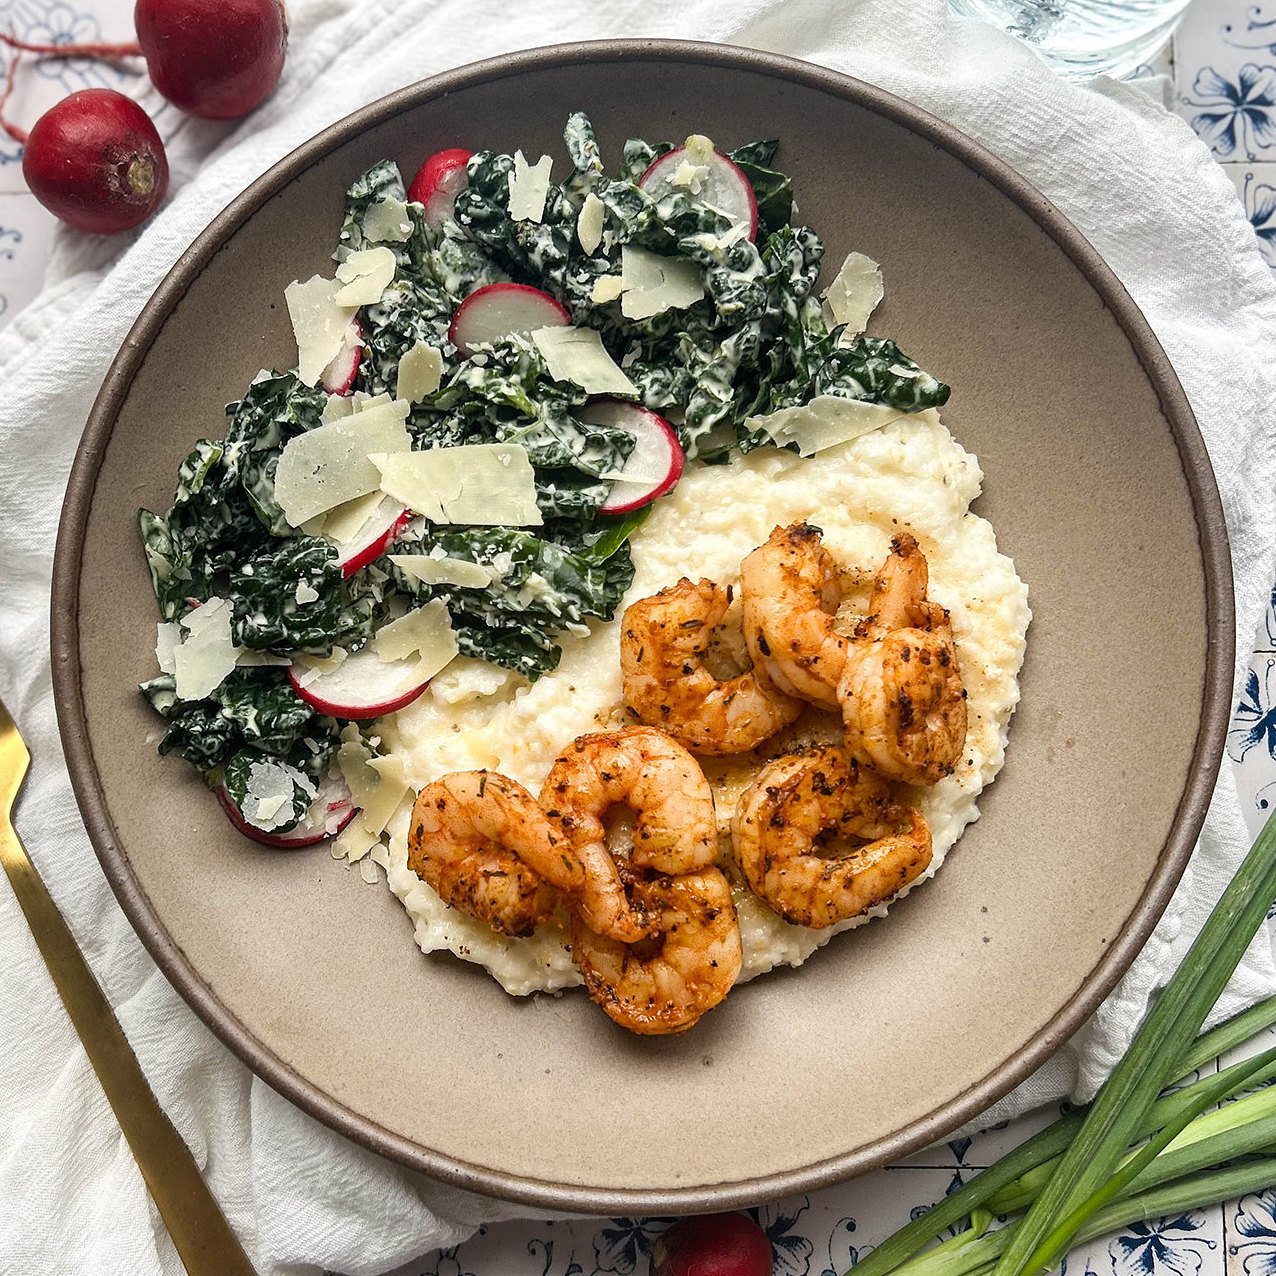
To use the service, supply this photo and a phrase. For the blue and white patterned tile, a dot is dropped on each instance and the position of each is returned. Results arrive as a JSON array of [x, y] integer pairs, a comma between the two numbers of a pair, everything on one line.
[[43, 81], [1256, 185], [1225, 72], [1251, 1235], [1190, 1244]]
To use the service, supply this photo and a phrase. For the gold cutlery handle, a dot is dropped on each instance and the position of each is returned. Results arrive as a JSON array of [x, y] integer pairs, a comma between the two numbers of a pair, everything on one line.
[[199, 1230]]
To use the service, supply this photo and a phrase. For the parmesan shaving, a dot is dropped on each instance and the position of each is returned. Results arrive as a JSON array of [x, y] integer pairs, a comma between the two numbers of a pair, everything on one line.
[[376, 785], [606, 288], [824, 422], [364, 276], [327, 466], [443, 571], [167, 636], [420, 372], [319, 323], [480, 484], [589, 223], [654, 284], [387, 221], [529, 186], [578, 355], [345, 522], [208, 654], [426, 632], [853, 296]]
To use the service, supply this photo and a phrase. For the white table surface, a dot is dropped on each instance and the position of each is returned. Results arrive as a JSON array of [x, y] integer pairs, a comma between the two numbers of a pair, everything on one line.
[[1221, 76]]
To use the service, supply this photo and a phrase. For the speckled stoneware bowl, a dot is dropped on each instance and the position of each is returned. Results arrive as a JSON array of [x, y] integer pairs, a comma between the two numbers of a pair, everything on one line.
[[1098, 485]]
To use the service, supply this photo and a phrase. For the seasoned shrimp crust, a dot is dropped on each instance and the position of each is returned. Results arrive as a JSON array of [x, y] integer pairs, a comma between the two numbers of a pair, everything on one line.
[[821, 839], [903, 702], [675, 830], [663, 639], [790, 592], [663, 985], [483, 843]]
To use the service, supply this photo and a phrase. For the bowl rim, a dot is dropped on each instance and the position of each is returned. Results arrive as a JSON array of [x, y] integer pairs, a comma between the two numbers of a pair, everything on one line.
[[945, 1117]]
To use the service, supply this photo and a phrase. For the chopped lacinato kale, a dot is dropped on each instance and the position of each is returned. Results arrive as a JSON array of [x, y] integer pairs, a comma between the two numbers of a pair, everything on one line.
[[746, 336], [254, 708]]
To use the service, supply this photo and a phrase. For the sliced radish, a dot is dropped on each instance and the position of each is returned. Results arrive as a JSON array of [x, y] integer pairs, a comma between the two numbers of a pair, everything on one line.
[[362, 686], [329, 813], [724, 186], [338, 376], [502, 310], [438, 182], [374, 537], [655, 464]]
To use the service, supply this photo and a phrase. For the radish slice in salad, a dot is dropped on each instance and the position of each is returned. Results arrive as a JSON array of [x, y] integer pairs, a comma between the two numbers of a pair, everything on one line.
[[502, 310], [656, 462], [338, 376], [362, 686], [374, 537], [709, 177], [329, 813], [438, 182]]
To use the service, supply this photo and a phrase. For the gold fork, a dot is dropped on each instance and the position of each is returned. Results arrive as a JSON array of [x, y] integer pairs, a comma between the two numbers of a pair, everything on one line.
[[199, 1229]]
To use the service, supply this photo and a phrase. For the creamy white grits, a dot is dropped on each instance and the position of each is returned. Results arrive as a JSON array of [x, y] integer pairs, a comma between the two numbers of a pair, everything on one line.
[[911, 475]]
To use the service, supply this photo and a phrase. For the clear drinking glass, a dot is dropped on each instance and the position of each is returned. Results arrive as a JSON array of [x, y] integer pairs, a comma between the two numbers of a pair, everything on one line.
[[1081, 38]]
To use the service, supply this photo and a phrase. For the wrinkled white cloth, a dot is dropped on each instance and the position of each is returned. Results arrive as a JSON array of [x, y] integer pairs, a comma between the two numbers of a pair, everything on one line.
[[1133, 178]]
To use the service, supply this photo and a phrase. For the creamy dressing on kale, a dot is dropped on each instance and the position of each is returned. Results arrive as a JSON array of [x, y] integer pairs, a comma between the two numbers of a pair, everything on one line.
[[757, 341]]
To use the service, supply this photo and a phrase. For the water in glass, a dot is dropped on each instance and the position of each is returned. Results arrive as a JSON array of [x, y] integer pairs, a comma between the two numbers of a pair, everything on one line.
[[1082, 38]]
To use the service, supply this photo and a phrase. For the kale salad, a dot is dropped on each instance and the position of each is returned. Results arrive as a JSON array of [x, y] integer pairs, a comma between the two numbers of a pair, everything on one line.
[[680, 306]]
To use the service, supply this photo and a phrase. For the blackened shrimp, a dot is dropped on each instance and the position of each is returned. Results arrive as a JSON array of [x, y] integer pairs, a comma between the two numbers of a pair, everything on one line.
[[675, 830], [663, 640], [663, 984], [901, 691], [790, 592], [484, 844], [820, 838]]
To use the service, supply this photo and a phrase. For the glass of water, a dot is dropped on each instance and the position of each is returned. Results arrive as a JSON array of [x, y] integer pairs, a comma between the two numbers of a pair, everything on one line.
[[1082, 38]]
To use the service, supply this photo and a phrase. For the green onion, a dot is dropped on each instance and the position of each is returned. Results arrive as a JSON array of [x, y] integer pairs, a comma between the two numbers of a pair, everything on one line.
[[1080, 1171], [1149, 1064]]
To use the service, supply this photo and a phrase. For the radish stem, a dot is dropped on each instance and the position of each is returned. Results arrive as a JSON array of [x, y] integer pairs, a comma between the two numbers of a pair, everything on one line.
[[102, 52]]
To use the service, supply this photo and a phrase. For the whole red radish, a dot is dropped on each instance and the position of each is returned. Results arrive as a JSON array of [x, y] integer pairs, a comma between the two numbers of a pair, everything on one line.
[[713, 1245], [95, 161], [213, 58]]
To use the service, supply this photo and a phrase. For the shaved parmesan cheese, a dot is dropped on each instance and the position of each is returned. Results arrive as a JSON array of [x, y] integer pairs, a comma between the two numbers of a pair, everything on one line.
[[307, 668], [443, 571], [853, 296], [420, 371], [425, 633], [306, 593], [353, 842], [606, 288], [483, 484], [338, 405], [654, 284], [343, 523], [325, 467], [377, 785], [268, 794], [365, 276], [690, 176], [824, 422], [387, 221], [577, 355], [319, 323], [167, 636], [589, 223], [260, 659], [529, 185], [208, 654], [699, 149], [363, 401]]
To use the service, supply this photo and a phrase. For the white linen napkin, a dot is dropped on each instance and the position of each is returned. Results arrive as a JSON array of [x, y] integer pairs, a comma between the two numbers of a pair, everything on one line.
[[1133, 178]]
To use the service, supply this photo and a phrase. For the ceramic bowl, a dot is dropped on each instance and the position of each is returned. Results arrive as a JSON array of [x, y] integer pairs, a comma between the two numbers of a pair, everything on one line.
[[1098, 485]]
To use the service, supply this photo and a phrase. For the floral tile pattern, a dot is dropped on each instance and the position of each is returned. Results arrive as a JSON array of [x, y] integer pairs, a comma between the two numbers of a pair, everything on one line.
[[1220, 75]]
